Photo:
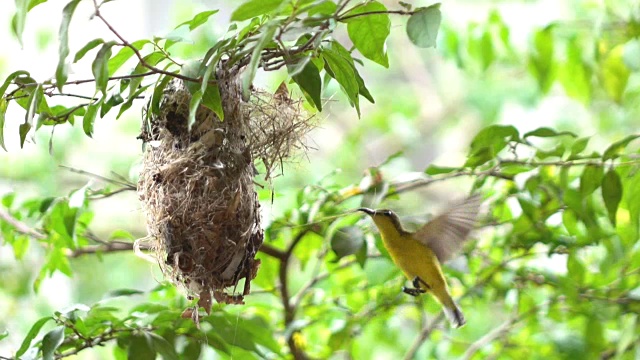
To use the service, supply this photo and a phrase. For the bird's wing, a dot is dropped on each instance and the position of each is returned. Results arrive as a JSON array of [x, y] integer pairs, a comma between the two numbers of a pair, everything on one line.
[[445, 234]]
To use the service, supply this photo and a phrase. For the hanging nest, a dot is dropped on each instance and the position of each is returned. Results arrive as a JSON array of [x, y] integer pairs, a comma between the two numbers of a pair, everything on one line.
[[197, 188]]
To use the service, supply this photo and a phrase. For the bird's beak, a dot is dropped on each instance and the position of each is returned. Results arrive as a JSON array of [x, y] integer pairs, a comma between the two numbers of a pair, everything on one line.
[[367, 211]]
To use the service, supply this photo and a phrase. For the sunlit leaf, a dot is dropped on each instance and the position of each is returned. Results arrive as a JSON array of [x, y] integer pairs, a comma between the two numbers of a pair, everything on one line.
[[615, 73], [198, 20], [100, 68], [612, 193], [614, 149], [369, 32], [35, 329], [63, 43], [591, 179], [89, 117], [254, 8], [541, 61], [256, 54], [548, 132], [86, 48]]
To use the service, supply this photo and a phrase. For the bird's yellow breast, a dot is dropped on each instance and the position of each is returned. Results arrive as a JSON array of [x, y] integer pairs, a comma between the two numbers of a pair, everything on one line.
[[412, 257]]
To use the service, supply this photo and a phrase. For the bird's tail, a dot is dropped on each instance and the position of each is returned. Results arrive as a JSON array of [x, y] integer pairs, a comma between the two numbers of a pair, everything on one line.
[[455, 316]]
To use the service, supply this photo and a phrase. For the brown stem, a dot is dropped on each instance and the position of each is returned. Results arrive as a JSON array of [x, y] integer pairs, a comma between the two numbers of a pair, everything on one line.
[[367, 13], [289, 308], [153, 69]]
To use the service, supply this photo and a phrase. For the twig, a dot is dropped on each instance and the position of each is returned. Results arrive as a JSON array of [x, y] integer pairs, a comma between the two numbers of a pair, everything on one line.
[[127, 185], [367, 13], [289, 308], [109, 247], [19, 226], [137, 53]]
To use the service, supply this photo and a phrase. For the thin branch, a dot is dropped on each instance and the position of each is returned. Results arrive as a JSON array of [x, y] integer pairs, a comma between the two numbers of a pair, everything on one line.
[[272, 251], [137, 52], [109, 247], [289, 308], [19, 226], [399, 12], [124, 184]]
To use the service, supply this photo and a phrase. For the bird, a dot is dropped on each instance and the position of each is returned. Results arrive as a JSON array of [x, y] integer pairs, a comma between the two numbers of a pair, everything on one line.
[[420, 254]]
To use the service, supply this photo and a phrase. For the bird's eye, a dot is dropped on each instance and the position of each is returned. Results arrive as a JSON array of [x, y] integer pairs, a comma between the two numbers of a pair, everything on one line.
[[387, 212]]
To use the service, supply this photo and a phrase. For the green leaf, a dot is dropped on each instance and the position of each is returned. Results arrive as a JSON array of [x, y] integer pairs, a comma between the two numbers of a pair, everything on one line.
[[423, 25], [123, 292], [196, 99], [575, 268], [3, 111], [130, 100], [211, 93], [4, 334], [489, 142], [211, 99], [23, 130], [310, 83], [89, 117], [10, 78], [254, 8], [590, 179], [100, 68], [341, 70], [612, 193], [123, 55], [115, 100], [615, 74], [295, 67], [162, 346], [578, 147], [35, 329], [256, 54], [19, 19], [63, 43], [369, 32], [140, 348], [614, 149], [347, 241], [51, 341], [157, 93], [198, 20], [515, 169], [541, 62], [86, 48], [575, 74], [437, 170], [323, 8], [548, 132]]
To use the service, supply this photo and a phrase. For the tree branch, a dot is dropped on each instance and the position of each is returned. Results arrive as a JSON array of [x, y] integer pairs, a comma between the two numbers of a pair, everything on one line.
[[399, 12], [153, 69], [19, 226]]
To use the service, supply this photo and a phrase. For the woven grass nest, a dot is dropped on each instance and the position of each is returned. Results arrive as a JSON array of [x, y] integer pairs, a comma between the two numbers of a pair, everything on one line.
[[197, 187]]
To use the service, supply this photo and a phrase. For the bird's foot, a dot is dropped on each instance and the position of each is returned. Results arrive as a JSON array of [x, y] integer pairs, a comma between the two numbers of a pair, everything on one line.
[[417, 282], [419, 287], [413, 291]]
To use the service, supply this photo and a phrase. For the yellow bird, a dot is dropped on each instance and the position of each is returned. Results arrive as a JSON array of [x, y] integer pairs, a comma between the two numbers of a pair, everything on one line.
[[420, 254]]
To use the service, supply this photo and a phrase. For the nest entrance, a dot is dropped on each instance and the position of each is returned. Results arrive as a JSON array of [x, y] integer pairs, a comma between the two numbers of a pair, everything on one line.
[[197, 189]]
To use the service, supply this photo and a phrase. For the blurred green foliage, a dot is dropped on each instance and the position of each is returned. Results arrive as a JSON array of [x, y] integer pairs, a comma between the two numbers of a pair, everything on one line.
[[553, 270]]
